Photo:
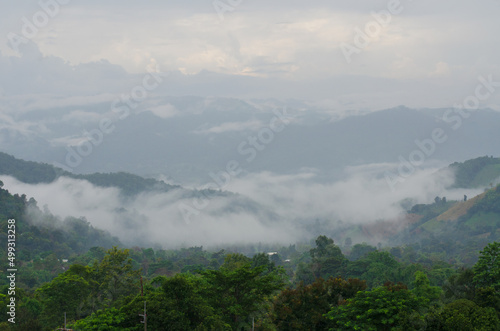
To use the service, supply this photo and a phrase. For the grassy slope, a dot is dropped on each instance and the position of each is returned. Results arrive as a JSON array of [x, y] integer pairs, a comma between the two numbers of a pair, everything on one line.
[[459, 209]]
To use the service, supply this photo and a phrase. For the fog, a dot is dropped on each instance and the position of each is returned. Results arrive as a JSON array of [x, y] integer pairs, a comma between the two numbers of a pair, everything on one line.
[[267, 207]]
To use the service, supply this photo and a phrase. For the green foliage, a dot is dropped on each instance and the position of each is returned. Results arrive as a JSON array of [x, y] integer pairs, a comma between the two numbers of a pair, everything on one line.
[[430, 211], [108, 319], [476, 172], [27, 171], [237, 294], [36, 173], [489, 204], [63, 294], [82, 290], [375, 267], [360, 250], [460, 286], [129, 184], [304, 308], [194, 289], [382, 308], [327, 258], [487, 269], [423, 288], [43, 239], [464, 315]]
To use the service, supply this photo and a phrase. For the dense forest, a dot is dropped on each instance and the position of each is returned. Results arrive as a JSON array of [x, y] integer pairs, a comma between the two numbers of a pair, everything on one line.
[[441, 272]]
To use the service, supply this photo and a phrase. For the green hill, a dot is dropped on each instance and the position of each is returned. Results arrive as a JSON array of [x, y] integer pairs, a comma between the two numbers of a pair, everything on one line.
[[36, 173], [43, 241], [455, 228], [480, 172]]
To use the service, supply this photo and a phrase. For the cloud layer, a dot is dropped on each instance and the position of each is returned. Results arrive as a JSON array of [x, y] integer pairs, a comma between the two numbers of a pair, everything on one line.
[[268, 208]]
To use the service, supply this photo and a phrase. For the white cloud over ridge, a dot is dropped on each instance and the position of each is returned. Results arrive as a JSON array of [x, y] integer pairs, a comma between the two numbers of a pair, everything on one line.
[[296, 201], [232, 126]]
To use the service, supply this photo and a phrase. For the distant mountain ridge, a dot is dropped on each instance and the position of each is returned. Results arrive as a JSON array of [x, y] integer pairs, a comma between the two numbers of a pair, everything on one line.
[[35, 173], [187, 138]]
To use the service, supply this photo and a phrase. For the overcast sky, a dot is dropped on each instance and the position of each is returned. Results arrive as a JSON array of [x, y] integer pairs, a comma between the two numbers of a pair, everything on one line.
[[423, 54]]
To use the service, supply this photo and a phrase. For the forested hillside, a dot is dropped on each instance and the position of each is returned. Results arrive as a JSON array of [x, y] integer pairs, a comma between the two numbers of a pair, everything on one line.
[[307, 288], [480, 172], [35, 173], [43, 241], [440, 273]]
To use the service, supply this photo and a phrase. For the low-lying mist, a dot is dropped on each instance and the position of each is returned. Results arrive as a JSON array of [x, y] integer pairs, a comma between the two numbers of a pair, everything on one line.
[[266, 207]]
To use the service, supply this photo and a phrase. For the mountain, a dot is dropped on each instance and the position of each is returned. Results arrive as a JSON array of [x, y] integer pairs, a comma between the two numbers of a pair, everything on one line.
[[479, 172], [43, 242], [453, 229], [35, 173], [187, 138]]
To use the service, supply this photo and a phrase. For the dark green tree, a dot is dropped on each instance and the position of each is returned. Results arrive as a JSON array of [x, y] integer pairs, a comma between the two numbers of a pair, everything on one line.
[[487, 268], [327, 258], [236, 294], [463, 315], [304, 308], [382, 308]]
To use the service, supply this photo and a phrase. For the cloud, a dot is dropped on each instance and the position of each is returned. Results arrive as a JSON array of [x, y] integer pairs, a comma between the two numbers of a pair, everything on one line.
[[268, 207], [164, 111], [363, 196], [153, 218], [232, 126], [82, 116], [73, 140]]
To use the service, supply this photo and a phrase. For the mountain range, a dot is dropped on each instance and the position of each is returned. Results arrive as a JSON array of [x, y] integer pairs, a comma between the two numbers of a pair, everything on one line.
[[260, 135]]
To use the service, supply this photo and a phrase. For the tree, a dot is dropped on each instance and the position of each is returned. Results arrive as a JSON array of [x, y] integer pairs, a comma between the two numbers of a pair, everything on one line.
[[360, 250], [108, 319], [116, 276], [423, 289], [238, 293], [304, 308], [487, 268], [179, 303], [374, 267], [64, 294], [187, 308], [460, 286], [327, 258], [464, 315], [382, 308]]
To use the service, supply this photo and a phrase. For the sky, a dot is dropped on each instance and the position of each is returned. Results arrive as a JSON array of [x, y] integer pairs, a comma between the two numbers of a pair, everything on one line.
[[358, 55]]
